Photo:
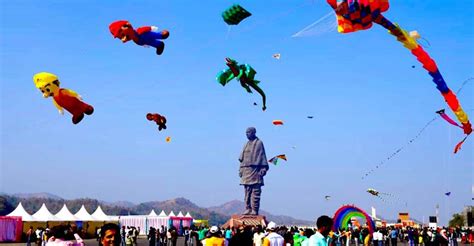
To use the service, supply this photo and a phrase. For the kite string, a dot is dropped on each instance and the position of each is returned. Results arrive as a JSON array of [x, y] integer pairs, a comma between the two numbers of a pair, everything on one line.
[[298, 34]]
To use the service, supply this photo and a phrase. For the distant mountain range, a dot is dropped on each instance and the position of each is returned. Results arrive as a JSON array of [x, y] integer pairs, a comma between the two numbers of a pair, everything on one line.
[[216, 215]]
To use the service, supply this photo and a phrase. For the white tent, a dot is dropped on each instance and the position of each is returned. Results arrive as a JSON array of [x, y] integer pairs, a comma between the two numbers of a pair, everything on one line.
[[188, 215], [163, 214], [180, 214], [65, 215], [83, 215], [20, 211], [43, 214], [171, 214], [152, 213], [99, 215]]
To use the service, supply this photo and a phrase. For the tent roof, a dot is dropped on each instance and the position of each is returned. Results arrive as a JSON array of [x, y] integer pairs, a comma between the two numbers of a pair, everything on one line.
[[171, 214], [65, 215], [43, 214], [83, 215], [188, 215], [20, 211], [163, 214], [99, 215], [152, 213], [180, 214]]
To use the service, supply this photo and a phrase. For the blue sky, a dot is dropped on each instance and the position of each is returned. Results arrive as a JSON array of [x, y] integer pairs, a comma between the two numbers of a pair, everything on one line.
[[365, 97]]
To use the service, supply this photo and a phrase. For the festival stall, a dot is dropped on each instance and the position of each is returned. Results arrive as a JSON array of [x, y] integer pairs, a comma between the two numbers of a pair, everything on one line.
[[157, 221], [85, 220], [10, 228]]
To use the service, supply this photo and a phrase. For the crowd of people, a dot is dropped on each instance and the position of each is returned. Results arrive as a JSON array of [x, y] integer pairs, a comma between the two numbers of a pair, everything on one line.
[[272, 235], [57, 235]]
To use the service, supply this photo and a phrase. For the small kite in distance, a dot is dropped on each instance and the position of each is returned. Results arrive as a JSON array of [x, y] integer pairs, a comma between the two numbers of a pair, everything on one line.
[[275, 159]]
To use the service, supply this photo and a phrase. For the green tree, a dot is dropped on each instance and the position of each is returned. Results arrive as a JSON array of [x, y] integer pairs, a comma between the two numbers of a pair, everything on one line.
[[457, 220]]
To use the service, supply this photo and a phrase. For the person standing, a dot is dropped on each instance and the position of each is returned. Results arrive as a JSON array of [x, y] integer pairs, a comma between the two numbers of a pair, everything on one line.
[[320, 238], [273, 238]]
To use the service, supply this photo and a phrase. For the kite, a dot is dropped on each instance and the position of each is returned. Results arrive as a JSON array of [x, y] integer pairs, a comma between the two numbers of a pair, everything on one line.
[[447, 118], [327, 198], [344, 215], [245, 74], [235, 14], [419, 133], [63, 98], [310, 117], [168, 139], [160, 120], [146, 35], [277, 56], [275, 159], [354, 15], [448, 193], [277, 122]]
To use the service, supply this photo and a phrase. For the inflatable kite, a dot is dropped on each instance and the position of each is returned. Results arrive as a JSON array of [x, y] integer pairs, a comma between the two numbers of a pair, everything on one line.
[[275, 159], [235, 14], [344, 215], [277, 122], [146, 35], [63, 98], [245, 74], [358, 15], [160, 120]]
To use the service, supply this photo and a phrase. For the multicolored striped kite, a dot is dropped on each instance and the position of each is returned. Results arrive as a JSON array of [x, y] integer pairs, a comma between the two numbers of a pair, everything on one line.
[[355, 15], [275, 159]]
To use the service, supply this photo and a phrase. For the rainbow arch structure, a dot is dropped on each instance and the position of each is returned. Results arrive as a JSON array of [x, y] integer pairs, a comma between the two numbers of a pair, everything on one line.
[[344, 214]]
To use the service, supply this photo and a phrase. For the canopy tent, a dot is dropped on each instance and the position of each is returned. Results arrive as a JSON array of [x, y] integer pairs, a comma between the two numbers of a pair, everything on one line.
[[163, 214], [180, 215], [83, 215], [157, 221], [43, 214], [99, 215], [21, 212], [138, 221], [171, 214], [152, 213], [65, 215], [188, 215]]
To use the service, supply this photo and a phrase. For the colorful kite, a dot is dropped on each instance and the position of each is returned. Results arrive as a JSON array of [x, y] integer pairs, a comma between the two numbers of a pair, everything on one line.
[[235, 14], [245, 74], [277, 122], [160, 120], [345, 214], [63, 98], [146, 35], [447, 118], [275, 159], [355, 15]]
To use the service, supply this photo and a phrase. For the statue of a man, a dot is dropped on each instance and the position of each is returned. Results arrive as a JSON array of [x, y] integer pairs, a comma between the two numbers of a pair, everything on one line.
[[253, 166]]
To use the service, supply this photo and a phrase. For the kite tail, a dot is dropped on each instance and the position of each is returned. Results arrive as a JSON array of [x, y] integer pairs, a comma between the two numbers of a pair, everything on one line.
[[430, 65]]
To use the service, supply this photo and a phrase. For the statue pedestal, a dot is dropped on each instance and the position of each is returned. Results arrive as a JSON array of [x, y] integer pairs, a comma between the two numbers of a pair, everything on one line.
[[239, 219]]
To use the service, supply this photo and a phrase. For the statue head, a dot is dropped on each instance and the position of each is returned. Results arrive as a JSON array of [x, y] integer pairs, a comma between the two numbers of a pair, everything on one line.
[[251, 133]]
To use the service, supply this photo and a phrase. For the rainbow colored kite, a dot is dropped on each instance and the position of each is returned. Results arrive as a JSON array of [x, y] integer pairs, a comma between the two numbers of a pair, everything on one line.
[[355, 15], [275, 159], [344, 214]]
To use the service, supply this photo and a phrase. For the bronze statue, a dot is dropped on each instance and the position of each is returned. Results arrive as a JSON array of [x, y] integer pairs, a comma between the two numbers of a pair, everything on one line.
[[253, 167]]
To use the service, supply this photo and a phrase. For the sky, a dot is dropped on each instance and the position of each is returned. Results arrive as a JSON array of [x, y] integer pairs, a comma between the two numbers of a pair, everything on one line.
[[366, 99]]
